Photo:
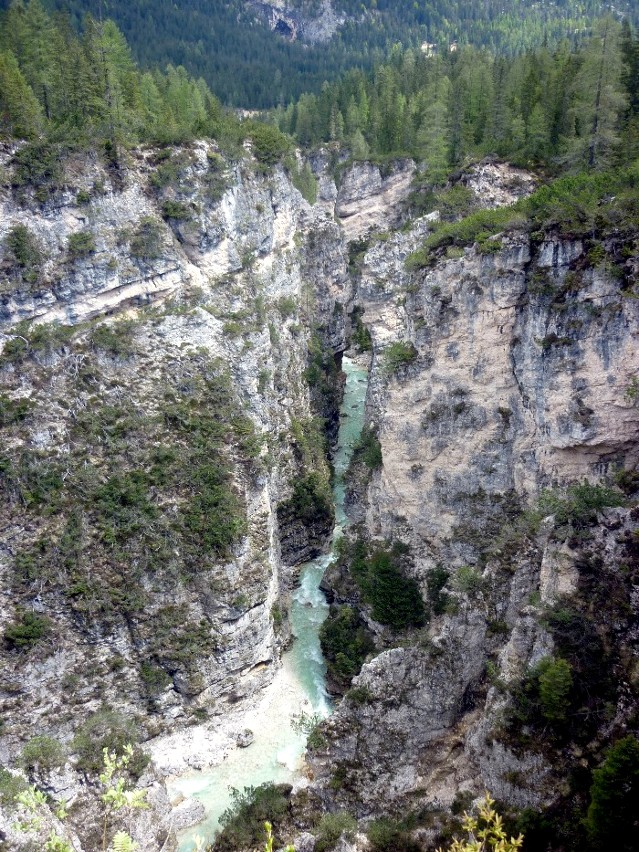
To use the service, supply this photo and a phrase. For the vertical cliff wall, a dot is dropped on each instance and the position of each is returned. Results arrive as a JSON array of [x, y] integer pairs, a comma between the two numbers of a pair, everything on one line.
[[156, 419], [497, 376]]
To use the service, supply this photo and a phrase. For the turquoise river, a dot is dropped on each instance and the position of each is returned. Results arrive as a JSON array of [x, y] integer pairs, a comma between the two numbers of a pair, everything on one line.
[[299, 685]]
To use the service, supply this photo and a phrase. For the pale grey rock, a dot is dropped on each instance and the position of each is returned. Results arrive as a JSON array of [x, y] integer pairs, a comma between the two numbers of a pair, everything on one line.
[[498, 184], [187, 813], [304, 842], [506, 396], [261, 243], [367, 201], [245, 738]]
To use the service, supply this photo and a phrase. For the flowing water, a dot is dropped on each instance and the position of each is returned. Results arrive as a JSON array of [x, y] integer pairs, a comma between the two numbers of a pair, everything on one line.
[[276, 754]]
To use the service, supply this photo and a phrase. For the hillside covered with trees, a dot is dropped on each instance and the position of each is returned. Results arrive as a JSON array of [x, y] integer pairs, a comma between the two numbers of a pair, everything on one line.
[[561, 109], [249, 66]]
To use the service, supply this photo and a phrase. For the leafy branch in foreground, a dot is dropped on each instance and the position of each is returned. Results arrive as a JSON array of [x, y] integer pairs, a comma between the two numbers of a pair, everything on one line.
[[485, 832], [270, 839], [117, 796]]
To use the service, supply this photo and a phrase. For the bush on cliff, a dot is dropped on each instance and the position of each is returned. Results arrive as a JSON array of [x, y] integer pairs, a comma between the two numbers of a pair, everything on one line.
[[611, 821], [345, 644], [395, 598], [243, 822]]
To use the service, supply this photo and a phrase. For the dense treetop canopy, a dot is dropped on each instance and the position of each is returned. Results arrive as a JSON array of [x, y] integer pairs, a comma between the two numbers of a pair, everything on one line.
[[249, 66]]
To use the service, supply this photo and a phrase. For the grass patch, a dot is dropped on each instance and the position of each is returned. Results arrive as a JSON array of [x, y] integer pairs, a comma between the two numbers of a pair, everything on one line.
[[398, 355], [480, 227]]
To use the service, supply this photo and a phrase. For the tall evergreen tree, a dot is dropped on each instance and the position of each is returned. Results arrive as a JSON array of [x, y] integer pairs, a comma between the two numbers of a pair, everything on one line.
[[598, 99], [20, 113]]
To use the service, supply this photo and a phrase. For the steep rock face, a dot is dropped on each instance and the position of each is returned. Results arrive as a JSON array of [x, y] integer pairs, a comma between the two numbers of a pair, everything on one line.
[[217, 273], [520, 382], [411, 697], [517, 374], [371, 200], [300, 20]]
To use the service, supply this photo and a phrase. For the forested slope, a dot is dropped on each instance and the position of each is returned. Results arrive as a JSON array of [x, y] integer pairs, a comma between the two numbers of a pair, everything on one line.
[[561, 109], [249, 66]]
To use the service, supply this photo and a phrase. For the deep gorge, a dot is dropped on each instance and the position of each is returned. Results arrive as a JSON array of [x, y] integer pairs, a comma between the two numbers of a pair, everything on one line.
[[179, 373]]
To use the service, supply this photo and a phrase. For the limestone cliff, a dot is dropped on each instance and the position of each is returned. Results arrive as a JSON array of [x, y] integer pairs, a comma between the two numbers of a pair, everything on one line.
[[156, 418], [495, 375], [164, 469]]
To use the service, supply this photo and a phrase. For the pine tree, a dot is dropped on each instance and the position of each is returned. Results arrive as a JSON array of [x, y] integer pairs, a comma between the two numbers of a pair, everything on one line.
[[20, 113], [598, 100], [433, 133], [614, 798]]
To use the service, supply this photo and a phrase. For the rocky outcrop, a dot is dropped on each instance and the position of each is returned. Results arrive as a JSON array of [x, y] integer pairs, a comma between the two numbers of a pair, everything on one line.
[[369, 200], [524, 362], [300, 20], [516, 372], [214, 271], [515, 375], [495, 184]]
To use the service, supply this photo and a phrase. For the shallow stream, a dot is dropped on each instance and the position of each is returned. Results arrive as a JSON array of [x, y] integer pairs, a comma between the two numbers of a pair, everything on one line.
[[299, 686]]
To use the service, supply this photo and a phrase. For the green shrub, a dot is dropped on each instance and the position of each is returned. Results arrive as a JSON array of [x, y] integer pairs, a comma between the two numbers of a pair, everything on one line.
[[16, 349], [287, 306], [359, 695], [345, 644], [81, 244], [311, 500], [331, 827], [580, 504], [38, 164], [25, 251], [468, 580], [456, 201], [268, 143], [49, 337], [171, 168], [278, 615], [398, 355], [13, 410], [154, 677], [243, 822], [33, 478], [478, 227], [123, 506], [10, 786], [310, 725], [614, 798], [578, 640], [26, 631], [368, 449], [395, 598], [387, 835], [361, 335], [555, 685], [545, 694], [111, 730], [214, 515], [175, 210], [571, 203], [146, 243], [435, 582], [215, 180], [116, 339], [43, 752], [305, 182]]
